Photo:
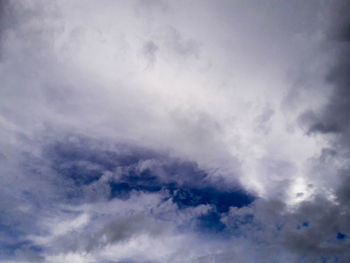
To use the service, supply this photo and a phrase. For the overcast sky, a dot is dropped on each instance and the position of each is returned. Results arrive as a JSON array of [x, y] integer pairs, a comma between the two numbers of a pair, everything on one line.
[[151, 131]]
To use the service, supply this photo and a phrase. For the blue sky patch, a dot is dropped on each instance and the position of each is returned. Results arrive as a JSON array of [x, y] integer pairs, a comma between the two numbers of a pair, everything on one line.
[[341, 236]]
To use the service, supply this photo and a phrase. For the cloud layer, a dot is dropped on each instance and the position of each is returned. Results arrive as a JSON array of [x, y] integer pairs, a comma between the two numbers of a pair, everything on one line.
[[157, 131]]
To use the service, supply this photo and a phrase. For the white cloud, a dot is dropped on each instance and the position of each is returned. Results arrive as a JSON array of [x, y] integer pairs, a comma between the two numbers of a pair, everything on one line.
[[221, 84]]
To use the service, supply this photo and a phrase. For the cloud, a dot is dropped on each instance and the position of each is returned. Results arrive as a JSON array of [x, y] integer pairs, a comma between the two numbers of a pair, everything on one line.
[[150, 131], [332, 117]]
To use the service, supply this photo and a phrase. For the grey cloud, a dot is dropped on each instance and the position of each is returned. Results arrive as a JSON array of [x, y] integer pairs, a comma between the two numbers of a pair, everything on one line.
[[313, 124], [123, 228], [57, 82], [150, 50], [102, 232], [328, 218], [2, 18], [307, 234], [147, 7], [180, 45], [339, 27], [333, 118], [263, 120], [319, 238], [62, 170], [29, 255]]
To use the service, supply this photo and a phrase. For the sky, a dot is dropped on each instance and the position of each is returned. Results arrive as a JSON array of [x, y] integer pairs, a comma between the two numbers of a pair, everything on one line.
[[155, 131]]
